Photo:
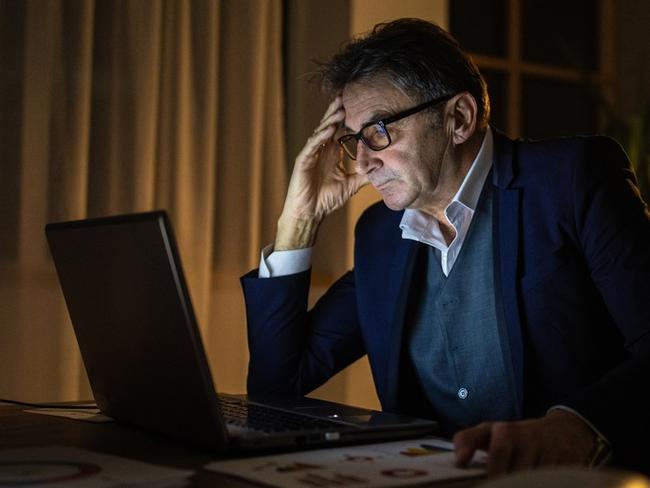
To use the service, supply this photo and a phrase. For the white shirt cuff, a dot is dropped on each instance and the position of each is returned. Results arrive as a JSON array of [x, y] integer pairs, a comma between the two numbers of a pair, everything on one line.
[[282, 263]]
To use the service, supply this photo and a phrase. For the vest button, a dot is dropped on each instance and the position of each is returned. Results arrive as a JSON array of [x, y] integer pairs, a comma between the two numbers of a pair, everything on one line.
[[462, 393]]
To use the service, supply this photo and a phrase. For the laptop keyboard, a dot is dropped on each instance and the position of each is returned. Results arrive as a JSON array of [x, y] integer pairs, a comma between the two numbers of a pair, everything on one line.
[[258, 417]]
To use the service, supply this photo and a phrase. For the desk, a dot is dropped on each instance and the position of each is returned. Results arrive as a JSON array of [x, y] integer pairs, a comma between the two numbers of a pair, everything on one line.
[[22, 429]]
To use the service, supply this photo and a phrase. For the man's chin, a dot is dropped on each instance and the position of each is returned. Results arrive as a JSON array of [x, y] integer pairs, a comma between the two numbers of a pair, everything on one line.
[[393, 204], [395, 200]]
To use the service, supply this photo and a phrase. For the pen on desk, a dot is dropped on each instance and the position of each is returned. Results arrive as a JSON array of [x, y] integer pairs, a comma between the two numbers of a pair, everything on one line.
[[436, 448]]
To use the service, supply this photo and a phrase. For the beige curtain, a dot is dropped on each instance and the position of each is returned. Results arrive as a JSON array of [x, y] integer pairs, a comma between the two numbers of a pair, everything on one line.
[[112, 106]]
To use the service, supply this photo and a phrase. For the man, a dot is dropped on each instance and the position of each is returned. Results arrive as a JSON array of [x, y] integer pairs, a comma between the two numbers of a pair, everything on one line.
[[500, 286]]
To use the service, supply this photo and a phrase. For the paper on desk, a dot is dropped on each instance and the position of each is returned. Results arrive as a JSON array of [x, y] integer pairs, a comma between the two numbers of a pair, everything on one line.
[[379, 465], [80, 468], [87, 414]]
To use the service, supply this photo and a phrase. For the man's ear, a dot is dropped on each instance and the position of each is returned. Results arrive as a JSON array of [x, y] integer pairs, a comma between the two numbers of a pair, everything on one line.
[[462, 112]]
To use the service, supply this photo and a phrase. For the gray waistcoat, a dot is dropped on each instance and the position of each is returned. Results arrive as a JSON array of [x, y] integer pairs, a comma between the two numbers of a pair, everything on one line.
[[454, 341]]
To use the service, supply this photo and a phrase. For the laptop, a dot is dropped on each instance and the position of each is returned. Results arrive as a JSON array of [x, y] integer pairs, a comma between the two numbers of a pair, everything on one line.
[[132, 315]]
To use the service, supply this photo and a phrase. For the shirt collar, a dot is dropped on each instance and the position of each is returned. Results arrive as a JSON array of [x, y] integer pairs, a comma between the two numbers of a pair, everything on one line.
[[471, 187]]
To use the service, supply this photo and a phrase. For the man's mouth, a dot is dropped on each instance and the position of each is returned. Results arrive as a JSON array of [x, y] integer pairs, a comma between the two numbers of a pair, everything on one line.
[[382, 185]]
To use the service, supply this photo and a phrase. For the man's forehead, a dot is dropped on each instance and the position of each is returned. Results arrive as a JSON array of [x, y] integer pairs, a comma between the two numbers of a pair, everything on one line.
[[365, 102]]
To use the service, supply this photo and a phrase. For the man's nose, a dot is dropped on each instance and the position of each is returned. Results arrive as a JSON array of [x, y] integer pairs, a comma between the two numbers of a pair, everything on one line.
[[366, 160]]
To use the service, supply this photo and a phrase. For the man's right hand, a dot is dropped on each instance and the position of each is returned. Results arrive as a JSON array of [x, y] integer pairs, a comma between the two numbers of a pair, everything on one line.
[[319, 183]]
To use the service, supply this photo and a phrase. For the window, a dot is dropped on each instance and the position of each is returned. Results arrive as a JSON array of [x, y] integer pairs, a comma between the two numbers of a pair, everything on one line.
[[547, 63]]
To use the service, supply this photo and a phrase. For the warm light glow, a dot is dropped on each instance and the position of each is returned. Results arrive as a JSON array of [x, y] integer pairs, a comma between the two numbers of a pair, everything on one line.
[[635, 482]]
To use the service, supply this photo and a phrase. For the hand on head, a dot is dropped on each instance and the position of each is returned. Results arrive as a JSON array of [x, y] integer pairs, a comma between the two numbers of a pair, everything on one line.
[[319, 183]]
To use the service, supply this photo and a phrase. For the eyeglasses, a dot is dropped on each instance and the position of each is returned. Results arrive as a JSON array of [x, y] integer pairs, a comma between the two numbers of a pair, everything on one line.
[[375, 135]]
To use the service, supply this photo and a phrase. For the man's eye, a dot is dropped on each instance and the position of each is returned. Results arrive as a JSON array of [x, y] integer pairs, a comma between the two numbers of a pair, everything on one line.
[[375, 131]]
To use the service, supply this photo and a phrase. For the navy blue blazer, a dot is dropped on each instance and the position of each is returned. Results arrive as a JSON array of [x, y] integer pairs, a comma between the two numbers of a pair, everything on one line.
[[572, 283]]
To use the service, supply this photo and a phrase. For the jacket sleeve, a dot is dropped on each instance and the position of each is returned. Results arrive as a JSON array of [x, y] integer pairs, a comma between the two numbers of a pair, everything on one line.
[[293, 350], [613, 225]]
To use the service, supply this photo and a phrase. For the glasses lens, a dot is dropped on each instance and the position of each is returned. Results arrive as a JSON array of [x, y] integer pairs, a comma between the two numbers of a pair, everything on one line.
[[349, 143], [376, 136]]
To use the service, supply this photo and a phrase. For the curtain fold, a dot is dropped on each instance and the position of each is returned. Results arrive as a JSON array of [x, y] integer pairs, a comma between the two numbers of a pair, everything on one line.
[[116, 106]]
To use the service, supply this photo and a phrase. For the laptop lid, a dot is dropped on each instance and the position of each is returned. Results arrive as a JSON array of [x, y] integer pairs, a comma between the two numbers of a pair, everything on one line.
[[134, 322]]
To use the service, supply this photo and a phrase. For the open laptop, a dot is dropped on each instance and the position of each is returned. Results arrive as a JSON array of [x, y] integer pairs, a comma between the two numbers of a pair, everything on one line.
[[132, 315]]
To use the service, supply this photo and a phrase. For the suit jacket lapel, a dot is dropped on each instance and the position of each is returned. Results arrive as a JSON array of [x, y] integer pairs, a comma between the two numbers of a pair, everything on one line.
[[506, 236], [401, 276]]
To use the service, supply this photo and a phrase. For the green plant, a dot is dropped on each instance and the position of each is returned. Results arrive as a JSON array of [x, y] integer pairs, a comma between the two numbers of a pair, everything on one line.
[[633, 132]]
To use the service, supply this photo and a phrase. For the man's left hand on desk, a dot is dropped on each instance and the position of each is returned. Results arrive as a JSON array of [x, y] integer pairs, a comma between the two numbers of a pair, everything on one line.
[[558, 438]]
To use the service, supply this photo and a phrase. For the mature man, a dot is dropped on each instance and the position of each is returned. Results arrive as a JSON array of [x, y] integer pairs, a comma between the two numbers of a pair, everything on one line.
[[501, 287]]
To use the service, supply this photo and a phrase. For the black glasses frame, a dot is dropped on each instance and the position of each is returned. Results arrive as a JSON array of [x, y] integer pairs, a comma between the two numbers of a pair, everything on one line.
[[383, 123]]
